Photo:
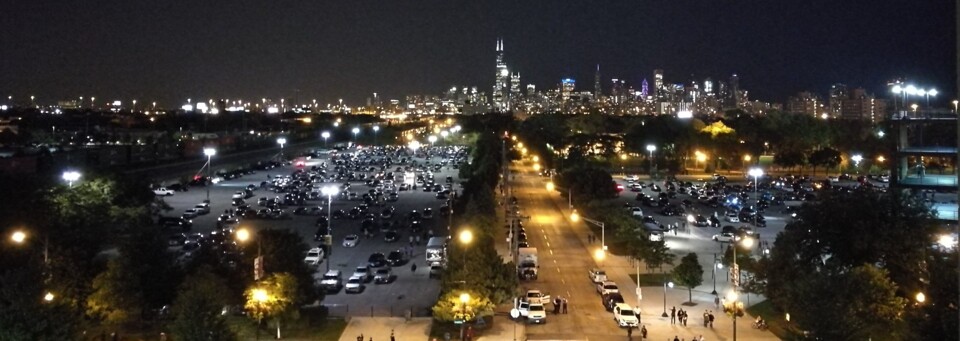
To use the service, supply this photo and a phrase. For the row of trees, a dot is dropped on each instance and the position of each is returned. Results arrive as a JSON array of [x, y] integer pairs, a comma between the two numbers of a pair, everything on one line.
[[109, 267], [475, 268], [796, 140]]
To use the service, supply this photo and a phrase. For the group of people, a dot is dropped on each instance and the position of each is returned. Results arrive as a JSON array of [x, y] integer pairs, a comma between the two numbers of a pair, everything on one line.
[[559, 305], [680, 316], [695, 338]]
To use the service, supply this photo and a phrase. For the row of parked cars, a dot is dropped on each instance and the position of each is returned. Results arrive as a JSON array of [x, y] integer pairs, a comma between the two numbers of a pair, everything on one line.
[[623, 314]]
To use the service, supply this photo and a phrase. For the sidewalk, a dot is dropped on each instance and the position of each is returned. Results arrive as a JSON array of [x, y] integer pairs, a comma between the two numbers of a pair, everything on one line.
[[379, 328]]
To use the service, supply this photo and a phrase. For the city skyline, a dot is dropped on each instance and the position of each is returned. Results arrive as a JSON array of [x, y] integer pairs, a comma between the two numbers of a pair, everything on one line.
[[127, 51]]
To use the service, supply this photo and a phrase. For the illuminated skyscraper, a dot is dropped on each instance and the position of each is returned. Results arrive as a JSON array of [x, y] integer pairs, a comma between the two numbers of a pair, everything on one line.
[[596, 84], [657, 83], [501, 81]]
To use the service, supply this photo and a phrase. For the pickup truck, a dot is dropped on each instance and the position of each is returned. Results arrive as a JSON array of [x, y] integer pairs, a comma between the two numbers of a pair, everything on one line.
[[536, 296], [163, 191]]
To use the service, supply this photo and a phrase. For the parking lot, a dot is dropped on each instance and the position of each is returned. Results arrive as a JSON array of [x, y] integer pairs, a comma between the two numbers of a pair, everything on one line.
[[410, 290]]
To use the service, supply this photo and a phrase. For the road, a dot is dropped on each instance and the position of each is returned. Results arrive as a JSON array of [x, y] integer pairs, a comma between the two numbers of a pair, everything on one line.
[[566, 256], [410, 290]]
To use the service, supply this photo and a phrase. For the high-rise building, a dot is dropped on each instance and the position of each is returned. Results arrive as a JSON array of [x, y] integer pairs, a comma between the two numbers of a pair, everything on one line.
[[708, 87], [501, 81], [804, 103], [515, 86], [838, 93], [617, 91], [597, 92], [657, 83], [567, 85], [644, 89], [858, 105], [531, 90]]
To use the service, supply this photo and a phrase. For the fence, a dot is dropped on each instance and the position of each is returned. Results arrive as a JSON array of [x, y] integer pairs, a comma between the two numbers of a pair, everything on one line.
[[398, 310]]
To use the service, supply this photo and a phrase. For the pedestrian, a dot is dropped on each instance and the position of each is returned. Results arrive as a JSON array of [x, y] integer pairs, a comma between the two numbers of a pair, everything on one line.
[[705, 318], [630, 332], [716, 302], [711, 320], [673, 315], [675, 338], [643, 332], [392, 338], [413, 267], [360, 338], [411, 241], [556, 305], [701, 338], [685, 316], [418, 240], [564, 305]]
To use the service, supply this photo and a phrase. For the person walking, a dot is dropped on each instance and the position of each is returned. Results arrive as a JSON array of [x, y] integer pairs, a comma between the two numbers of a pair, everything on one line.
[[643, 332], [673, 315], [556, 305], [564, 305], [413, 267], [705, 318], [716, 302], [711, 319]]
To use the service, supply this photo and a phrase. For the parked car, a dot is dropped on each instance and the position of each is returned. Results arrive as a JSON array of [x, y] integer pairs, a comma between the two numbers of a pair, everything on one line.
[[351, 240], [383, 276], [625, 316], [354, 285], [314, 257], [163, 191], [331, 281], [597, 275], [607, 287]]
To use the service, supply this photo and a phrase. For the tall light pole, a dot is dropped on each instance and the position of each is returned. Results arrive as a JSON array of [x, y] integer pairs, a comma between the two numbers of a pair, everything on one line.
[[732, 297], [282, 141], [209, 152], [20, 237], [716, 265], [356, 130], [464, 298], [376, 131], [432, 139], [325, 135], [575, 217], [665, 285], [329, 191], [651, 148], [71, 176], [856, 161], [756, 173], [243, 235], [465, 238]]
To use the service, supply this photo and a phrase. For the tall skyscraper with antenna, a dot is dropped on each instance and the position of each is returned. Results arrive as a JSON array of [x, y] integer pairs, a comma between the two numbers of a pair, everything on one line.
[[596, 84], [501, 82]]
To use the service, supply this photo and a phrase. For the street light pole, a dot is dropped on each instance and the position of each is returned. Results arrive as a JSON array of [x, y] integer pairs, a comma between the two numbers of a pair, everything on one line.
[[209, 152], [376, 130], [665, 284], [330, 191], [325, 136], [651, 148], [282, 141], [716, 265], [756, 173]]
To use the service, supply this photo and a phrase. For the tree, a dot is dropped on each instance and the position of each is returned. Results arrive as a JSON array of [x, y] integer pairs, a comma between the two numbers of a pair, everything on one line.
[[689, 273], [450, 308], [658, 254], [282, 252], [812, 271], [197, 310], [588, 183], [25, 315], [826, 157], [273, 298]]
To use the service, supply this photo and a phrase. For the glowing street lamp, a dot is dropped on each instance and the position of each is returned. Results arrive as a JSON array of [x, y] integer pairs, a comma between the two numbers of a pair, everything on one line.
[[414, 145], [49, 297], [18, 237], [330, 191], [432, 139], [282, 141], [599, 255], [856, 161], [921, 297], [355, 130], [376, 131], [71, 176], [574, 217], [550, 186], [651, 148], [325, 135], [209, 152], [466, 237]]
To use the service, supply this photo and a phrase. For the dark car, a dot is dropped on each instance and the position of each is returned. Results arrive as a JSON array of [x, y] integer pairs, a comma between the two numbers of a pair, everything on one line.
[[610, 300], [338, 214], [180, 222], [671, 210], [396, 258], [701, 221], [377, 260], [391, 236]]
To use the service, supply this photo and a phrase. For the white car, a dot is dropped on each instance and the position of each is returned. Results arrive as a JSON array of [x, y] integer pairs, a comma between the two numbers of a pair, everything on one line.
[[625, 316], [833, 178], [354, 285], [732, 217], [163, 191], [536, 296], [314, 256], [364, 273], [607, 287], [536, 313], [597, 275], [202, 208], [191, 213], [636, 211], [238, 195], [351, 240], [725, 237]]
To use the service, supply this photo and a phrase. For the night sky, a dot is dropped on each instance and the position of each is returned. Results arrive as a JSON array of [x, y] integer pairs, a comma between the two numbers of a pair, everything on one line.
[[171, 50]]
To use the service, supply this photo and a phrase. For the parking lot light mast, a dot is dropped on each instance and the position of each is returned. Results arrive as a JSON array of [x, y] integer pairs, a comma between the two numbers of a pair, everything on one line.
[[733, 295], [465, 238], [376, 131], [209, 152], [603, 229], [651, 148], [325, 135], [665, 285], [756, 173], [243, 235], [329, 191], [282, 141], [71, 177]]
